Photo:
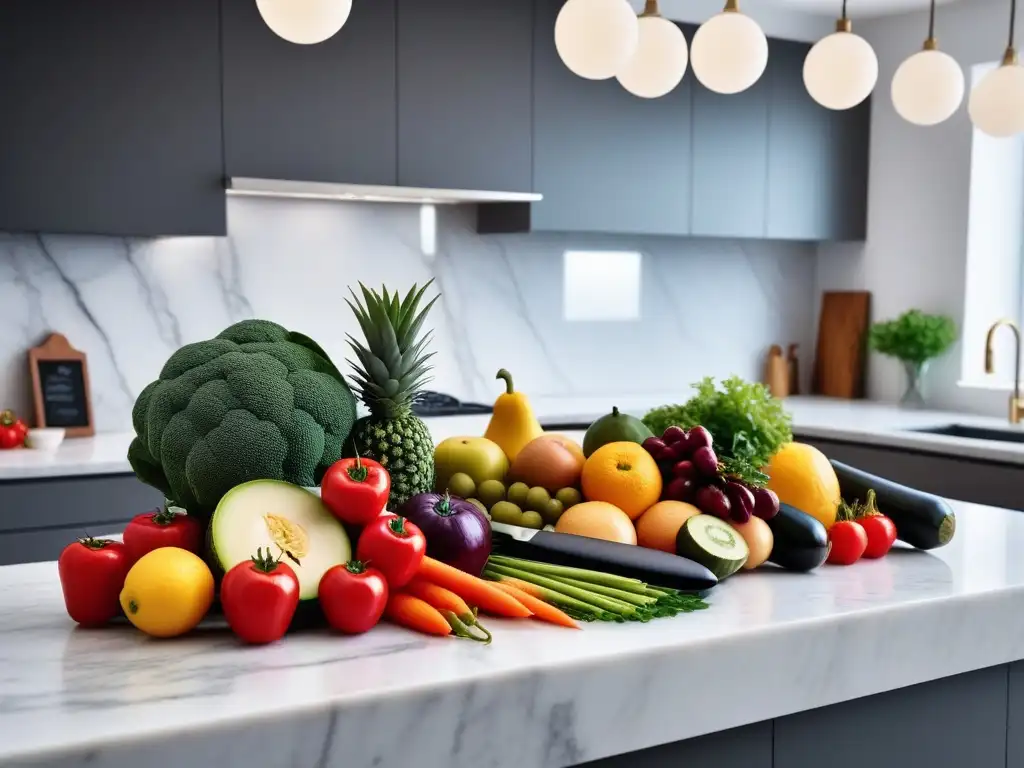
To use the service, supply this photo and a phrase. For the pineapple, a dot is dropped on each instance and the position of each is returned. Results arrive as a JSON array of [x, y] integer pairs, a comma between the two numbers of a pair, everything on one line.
[[390, 372]]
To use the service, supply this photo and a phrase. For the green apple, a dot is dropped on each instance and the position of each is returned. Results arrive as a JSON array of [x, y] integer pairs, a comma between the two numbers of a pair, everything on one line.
[[478, 457]]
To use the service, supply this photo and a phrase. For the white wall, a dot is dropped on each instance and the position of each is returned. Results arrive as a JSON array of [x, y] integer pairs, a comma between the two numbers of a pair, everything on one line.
[[918, 201]]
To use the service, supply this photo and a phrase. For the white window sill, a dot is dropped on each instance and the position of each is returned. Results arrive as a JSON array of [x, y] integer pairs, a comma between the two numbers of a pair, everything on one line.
[[986, 385]]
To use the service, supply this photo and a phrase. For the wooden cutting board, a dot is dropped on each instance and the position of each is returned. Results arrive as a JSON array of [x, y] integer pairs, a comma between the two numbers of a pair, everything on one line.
[[840, 361]]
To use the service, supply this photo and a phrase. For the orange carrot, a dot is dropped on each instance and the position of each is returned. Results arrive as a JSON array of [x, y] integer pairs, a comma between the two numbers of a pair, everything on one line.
[[483, 594], [413, 613], [449, 604], [439, 597], [541, 611]]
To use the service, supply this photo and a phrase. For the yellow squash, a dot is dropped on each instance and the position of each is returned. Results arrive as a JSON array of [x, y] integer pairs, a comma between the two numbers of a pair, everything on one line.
[[512, 424]]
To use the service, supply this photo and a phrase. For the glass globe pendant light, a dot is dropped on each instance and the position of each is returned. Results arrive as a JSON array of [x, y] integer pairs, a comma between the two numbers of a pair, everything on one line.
[[996, 105], [305, 22], [929, 85], [596, 38], [661, 56], [729, 51], [841, 70]]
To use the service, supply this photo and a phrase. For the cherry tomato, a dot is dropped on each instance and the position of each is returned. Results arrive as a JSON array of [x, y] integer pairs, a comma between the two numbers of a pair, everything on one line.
[[92, 573], [881, 533], [353, 597], [162, 528], [848, 541], [259, 598], [355, 490], [393, 546]]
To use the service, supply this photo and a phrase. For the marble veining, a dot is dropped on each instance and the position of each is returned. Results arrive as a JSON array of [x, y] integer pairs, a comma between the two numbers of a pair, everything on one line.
[[771, 643], [708, 307]]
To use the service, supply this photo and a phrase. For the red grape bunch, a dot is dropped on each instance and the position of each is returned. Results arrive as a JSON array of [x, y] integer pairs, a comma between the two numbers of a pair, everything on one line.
[[692, 473]]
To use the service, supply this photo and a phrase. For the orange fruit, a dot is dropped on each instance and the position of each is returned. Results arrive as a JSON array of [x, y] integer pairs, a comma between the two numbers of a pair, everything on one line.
[[802, 477], [597, 520], [658, 526], [623, 474]]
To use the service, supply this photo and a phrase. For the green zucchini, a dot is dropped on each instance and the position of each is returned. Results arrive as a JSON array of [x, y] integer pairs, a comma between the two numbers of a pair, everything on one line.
[[714, 544], [921, 519]]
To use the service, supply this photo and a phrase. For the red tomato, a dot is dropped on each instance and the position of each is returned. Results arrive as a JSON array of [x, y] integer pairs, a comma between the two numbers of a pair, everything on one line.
[[881, 533], [355, 490], [259, 598], [393, 546], [92, 574], [353, 597], [848, 541], [162, 528], [12, 430]]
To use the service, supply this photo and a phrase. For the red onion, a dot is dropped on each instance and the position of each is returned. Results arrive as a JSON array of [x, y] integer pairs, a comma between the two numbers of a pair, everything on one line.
[[457, 532]]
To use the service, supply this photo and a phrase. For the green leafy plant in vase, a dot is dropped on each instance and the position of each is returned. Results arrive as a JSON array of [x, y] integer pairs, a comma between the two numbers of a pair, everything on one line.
[[915, 339]]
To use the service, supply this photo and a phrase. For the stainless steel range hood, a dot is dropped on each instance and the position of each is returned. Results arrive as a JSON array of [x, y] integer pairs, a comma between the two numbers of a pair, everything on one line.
[[315, 190]]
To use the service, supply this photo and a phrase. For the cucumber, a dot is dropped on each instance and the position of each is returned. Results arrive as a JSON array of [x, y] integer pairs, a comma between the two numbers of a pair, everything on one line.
[[921, 519], [713, 543], [801, 541]]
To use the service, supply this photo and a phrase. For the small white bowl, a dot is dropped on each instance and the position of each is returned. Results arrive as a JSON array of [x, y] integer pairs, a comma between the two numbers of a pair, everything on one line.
[[45, 439]]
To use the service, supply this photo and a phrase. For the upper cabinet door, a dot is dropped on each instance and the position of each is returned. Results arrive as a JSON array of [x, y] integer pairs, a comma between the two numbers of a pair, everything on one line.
[[604, 159], [111, 117], [323, 112], [801, 172], [730, 161], [464, 100], [850, 157]]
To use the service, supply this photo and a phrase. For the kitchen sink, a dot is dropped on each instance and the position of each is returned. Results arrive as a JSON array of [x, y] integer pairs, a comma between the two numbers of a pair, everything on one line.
[[975, 433]]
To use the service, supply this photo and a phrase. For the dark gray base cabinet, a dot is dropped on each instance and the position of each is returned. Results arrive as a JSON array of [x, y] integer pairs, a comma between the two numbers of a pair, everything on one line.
[[975, 719], [38, 518], [952, 477], [111, 117]]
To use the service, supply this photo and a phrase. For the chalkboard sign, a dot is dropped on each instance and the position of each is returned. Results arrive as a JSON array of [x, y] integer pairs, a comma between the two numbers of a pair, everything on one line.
[[60, 384]]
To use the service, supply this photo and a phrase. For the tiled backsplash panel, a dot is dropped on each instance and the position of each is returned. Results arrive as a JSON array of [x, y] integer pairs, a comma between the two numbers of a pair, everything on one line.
[[706, 307]]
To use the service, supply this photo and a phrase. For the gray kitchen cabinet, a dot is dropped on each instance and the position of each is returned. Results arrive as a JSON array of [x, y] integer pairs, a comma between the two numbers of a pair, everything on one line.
[[746, 747], [38, 518], [325, 112], [604, 159], [730, 162], [953, 722], [800, 206], [1015, 715], [465, 94], [850, 132], [112, 117], [952, 477], [817, 157]]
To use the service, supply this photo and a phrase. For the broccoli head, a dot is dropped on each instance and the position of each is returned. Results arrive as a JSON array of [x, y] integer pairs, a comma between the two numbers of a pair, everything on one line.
[[257, 402]]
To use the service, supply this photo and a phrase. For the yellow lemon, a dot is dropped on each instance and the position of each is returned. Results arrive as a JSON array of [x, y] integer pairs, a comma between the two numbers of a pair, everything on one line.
[[167, 592], [802, 477]]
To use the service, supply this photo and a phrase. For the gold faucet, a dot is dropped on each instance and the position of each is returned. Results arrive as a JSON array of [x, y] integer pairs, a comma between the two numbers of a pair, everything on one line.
[[1016, 403]]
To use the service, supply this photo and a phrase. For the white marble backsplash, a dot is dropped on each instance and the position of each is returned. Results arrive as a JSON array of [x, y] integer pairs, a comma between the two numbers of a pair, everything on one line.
[[707, 307]]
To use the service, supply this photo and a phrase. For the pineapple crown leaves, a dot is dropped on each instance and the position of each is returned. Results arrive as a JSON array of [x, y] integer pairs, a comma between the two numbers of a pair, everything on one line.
[[392, 364]]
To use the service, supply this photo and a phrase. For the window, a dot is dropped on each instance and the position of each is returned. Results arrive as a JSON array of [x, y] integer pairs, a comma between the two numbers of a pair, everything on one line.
[[601, 285], [993, 276]]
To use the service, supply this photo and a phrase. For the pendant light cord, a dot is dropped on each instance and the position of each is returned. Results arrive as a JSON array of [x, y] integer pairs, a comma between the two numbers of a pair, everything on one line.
[[1013, 19], [931, 21], [844, 8]]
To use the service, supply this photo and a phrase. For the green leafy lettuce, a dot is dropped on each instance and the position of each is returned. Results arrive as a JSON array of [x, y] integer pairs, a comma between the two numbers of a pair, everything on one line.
[[747, 423]]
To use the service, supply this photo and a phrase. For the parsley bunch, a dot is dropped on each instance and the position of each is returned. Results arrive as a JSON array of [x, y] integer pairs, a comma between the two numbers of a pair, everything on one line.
[[913, 337], [746, 422]]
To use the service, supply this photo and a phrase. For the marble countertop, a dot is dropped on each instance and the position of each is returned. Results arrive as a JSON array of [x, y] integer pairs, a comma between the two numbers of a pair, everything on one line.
[[771, 643], [855, 421]]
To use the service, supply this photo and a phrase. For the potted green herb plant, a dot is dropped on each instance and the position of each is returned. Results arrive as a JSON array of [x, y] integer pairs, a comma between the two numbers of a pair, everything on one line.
[[915, 339]]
